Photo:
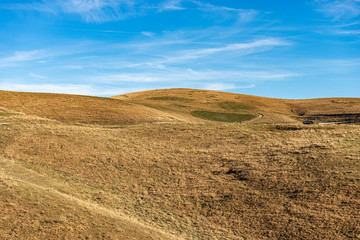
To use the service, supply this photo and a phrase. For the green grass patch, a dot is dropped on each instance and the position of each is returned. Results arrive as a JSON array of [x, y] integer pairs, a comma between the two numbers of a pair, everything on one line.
[[178, 106], [234, 106], [172, 98], [222, 117], [6, 114]]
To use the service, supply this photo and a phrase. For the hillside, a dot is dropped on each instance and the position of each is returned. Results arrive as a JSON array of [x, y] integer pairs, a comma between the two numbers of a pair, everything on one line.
[[177, 105], [79, 109], [183, 102], [69, 171]]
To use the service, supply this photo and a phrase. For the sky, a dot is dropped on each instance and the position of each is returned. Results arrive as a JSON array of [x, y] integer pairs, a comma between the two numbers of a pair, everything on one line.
[[284, 49]]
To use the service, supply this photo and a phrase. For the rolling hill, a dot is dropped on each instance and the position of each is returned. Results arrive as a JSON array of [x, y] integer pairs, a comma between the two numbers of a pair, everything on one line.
[[80, 109], [177, 164], [177, 105], [184, 102]]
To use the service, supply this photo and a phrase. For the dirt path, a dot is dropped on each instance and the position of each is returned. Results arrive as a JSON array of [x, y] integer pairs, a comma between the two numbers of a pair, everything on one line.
[[15, 172], [254, 119]]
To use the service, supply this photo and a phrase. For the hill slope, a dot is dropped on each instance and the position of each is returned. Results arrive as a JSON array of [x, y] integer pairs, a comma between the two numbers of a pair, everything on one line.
[[79, 109], [42, 208], [197, 181], [61, 179], [184, 102]]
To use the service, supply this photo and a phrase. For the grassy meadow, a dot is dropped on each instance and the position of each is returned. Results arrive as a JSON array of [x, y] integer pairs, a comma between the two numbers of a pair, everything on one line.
[[173, 175]]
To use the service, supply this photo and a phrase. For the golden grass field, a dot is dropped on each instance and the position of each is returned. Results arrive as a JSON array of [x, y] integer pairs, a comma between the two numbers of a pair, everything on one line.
[[142, 166]]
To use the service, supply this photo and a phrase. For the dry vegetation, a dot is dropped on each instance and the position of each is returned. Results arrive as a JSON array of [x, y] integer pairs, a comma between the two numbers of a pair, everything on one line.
[[80, 109], [193, 180]]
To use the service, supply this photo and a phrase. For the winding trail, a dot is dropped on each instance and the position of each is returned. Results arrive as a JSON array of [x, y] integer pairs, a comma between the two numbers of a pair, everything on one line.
[[132, 227], [254, 119]]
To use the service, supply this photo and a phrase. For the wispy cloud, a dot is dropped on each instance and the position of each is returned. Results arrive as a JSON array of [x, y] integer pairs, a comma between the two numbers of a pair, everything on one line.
[[22, 56], [183, 54], [243, 15], [114, 10], [224, 86], [190, 75], [339, 9], [148, 34], [34, 75], [244, 48], [170, 5], [74, 67], [167, 52], [98, 10], [47, 54], [89, 10], [81, 89], [53, 88]]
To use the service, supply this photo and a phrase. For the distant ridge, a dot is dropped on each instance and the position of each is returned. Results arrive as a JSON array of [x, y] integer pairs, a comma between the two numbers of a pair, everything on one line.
[[183, 101], [178, 105], [80, 109]]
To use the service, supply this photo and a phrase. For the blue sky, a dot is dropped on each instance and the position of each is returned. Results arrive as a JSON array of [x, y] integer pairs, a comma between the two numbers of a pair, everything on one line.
[[280, 48]]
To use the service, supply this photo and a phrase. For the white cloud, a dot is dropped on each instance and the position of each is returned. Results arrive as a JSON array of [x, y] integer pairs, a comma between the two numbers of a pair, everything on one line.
[[348, 32], [165, 53], [37, 76], [98, 10], [224, 86], [74, 67], [240, 49], [260, 44], [89, 10], [24, 56], [93, 10], [51, 88], [114, 10], [189, 75], [79, 89], [42, 55], [148, 34], [243, 15], [339, 9], [170, 5]]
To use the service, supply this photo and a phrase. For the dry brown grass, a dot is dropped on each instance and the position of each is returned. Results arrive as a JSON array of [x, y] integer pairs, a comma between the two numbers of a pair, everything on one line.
[[169, 100], [274, 110], [80, 109], [196, 181], [36, 207], [326, 106], [200, 181]]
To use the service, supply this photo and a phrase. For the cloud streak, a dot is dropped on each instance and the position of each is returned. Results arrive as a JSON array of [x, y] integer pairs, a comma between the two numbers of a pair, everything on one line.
[[187, 55], [88, 10], [222, 86], [245, 48], [22, 56], [190, 75], [243, 15], [34, 75], [98, 10], [114, 10], [339, 9]]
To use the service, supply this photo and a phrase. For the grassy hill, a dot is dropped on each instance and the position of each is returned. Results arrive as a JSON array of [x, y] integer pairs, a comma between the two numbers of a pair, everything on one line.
[[172, 105], [186, 103], [79, 109], [79, 173]]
